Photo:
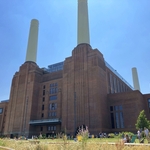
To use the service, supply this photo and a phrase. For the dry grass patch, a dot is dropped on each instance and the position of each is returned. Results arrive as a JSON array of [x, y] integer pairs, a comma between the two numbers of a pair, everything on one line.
[[59, 144]]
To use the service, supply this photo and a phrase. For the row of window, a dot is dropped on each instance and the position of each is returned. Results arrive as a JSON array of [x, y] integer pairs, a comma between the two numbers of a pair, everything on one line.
[[53, 97], [115, 86], [116, 108], [50, 114], [53, 88], [49, 128], [52, 106], [51, 85]]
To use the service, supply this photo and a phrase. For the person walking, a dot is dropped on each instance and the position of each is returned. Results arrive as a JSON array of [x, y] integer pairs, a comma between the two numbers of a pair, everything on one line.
[[146, 132], [139, 135]]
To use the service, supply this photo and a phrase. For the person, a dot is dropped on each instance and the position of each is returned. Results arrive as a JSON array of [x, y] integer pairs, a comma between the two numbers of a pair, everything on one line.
[[139, 135], [146, 132], [126, 139]]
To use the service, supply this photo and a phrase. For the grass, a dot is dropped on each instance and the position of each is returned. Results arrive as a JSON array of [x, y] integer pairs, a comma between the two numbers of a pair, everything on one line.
[[59, 144]]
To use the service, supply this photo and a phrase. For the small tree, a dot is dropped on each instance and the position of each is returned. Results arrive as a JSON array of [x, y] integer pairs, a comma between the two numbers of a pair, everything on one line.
[[142, 121]]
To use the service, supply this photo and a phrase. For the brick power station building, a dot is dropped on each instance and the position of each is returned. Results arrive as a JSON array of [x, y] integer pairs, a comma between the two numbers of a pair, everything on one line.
[[83, 89]]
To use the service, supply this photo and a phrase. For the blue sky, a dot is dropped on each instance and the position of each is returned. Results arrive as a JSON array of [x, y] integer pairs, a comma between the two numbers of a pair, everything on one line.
[[120, 29]]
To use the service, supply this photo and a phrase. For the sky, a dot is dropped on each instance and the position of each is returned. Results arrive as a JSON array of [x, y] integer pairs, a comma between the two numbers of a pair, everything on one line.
[[119, 29]]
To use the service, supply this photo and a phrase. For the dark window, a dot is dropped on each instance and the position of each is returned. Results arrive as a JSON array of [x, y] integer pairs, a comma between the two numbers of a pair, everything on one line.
[[43, 99], [43, 92], [44, 87], [116, 114], [54, 97], [117, 120], [41, 128], [111, 108], [149, 104], [42, 115], [1, 110], [53, 106], [42, 107], [112, 121]]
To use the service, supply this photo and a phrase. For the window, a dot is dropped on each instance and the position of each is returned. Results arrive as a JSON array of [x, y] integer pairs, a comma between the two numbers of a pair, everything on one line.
[[42, 107], [111, 83], [121, 120], [149, 104], [111, 108], [51, 128], [116, 108], [112, 121], [43, 99], [116, 115], [54, 97], [117, 120], [53, 106], [115, 85], [41, 129], [120, 107], [42, 115], [53, 88], [1, 110], [118, 87], [43, 86], [52, 114], [43, 92]]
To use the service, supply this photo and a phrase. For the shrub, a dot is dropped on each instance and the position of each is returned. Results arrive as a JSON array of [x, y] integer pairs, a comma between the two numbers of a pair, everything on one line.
[[122, 134], [111, 135]]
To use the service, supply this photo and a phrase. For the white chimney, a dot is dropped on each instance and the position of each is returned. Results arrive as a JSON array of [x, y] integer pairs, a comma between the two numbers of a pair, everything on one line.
[[135, 79], [32, 41]]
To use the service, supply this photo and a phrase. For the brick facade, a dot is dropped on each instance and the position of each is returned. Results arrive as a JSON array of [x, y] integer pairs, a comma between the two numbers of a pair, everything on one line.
[[81, 93]]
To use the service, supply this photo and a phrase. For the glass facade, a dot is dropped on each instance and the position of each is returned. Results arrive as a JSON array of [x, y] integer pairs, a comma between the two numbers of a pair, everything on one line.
[[54, 67]]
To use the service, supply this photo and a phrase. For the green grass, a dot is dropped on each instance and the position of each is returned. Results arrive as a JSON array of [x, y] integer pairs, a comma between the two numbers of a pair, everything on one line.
[[60, 144], [99, 140]]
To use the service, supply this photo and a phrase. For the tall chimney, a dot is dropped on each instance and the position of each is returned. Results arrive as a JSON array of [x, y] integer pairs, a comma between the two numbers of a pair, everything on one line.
[[135, 79], [83, 22], [32, 41]]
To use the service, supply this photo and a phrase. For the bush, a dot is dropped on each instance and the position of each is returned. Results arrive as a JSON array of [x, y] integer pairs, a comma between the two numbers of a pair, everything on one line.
[[122, 134], [111, 135]]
